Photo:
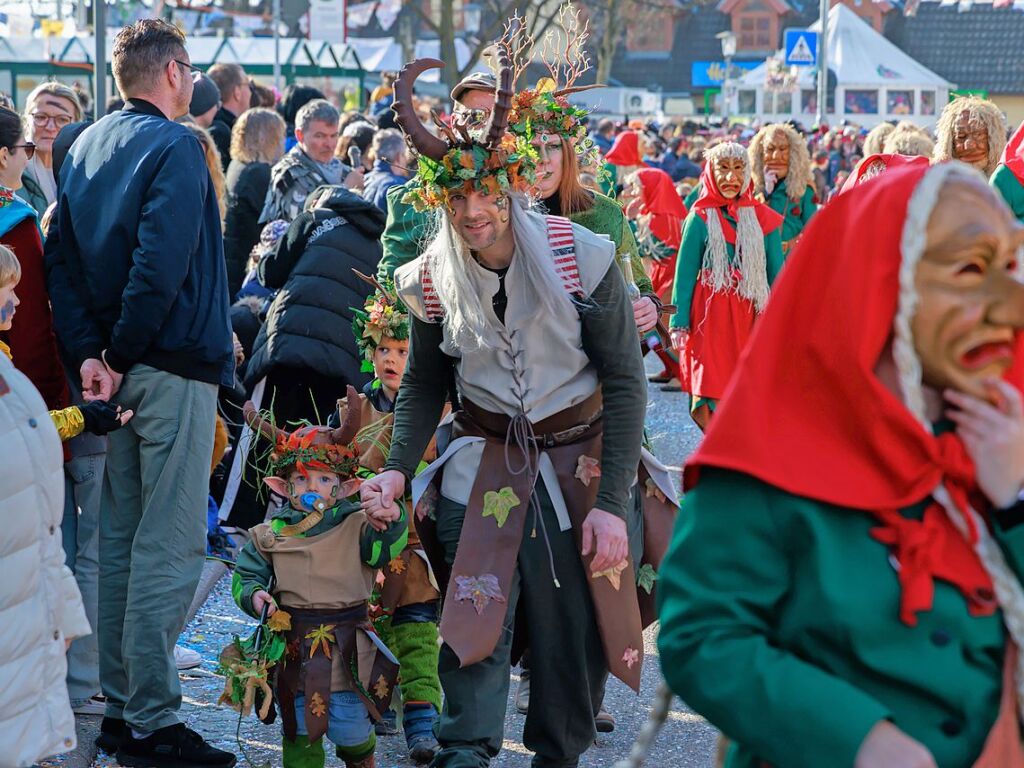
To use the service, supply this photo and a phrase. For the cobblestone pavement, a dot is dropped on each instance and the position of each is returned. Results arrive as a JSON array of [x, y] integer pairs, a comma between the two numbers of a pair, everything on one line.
[[687, 740]]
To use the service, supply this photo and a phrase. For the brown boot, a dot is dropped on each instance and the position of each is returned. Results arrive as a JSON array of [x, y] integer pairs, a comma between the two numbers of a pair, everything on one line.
[[366, 762]]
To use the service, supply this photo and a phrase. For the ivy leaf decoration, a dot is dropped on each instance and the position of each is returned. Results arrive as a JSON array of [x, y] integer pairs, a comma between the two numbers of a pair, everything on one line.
[[322, 637], [498, 504], [397, 565], [480, 590], [646, 577], [587, 469], [381, 688], [281, 621], [317, 708]]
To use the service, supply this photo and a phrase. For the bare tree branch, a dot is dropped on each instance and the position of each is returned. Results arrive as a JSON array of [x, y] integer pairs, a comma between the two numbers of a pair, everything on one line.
[[417, 7]]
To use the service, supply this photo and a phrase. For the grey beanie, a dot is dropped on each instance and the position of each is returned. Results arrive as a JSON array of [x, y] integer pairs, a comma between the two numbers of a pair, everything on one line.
[[205, 95]]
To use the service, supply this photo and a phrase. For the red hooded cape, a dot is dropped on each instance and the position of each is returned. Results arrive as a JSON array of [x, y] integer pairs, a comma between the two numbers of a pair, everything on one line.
[[830, 430], [1013, 154], [664, 205], [710, 198], [626, 150], [875, 165]]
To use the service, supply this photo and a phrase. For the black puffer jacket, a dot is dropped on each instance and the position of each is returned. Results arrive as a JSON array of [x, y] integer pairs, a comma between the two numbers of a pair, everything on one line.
[[246, 186], [309, 323]]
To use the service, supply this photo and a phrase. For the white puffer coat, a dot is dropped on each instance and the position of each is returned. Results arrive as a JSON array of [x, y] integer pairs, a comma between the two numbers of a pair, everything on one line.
[[39, 601]]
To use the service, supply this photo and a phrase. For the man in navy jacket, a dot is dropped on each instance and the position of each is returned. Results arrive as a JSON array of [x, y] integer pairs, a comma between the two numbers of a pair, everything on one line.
[[139, 290]]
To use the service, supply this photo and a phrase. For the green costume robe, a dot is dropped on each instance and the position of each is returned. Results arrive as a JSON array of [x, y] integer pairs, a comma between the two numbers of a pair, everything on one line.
[[1011, 190], [407, 233], [795, 214], [780, 622]]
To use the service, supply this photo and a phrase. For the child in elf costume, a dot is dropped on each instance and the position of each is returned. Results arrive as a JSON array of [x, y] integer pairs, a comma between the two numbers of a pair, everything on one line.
[[407, 602], [321, 553]]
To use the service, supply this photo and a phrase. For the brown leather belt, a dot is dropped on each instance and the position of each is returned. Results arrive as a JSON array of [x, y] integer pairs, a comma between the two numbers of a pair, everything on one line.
[[563, 428]]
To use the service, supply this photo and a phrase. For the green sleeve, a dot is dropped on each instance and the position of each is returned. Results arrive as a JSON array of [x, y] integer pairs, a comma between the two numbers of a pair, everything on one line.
[[807, 205], [421, 397], [774, 257], [692, 197], [691, 256], [378, 548], [725, 576], [252, 573], [1010, 189], [610, 341], [405, 230], [627, 244]]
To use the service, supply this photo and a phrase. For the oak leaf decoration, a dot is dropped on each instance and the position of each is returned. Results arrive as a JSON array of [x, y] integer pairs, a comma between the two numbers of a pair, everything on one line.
[[397, 565], [381, 688], [587, 468], [317, 708], [322, 637], [498, 504]]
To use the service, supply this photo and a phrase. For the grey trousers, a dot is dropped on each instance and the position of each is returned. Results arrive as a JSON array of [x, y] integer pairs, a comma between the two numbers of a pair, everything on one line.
[[152, 540], [80, 528]]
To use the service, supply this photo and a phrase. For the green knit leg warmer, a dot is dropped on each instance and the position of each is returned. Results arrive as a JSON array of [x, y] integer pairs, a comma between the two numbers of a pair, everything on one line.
[[359, 751], [415, 646], [302, 754]]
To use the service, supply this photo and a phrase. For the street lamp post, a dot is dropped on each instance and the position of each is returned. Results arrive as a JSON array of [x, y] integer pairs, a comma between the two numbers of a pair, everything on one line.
[[728, 40]]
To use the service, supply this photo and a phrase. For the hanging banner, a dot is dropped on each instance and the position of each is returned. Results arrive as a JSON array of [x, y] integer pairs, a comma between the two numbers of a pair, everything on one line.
[[327, 20]]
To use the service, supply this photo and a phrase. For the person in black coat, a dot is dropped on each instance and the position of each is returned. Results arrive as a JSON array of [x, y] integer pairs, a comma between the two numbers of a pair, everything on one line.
[[257, 142]]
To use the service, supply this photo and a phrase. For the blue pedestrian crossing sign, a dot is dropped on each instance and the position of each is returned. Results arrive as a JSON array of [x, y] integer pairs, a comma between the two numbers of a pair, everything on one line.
[[801, 47]]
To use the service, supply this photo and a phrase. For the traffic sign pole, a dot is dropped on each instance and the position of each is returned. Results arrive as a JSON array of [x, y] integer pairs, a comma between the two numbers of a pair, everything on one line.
[[823, 64]]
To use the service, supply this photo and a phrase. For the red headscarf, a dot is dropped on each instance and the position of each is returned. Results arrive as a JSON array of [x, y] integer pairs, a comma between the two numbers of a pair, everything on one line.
[[1013, 154], [664, 205], [830, 430], [710, 198], [875, 165], [626, 150]]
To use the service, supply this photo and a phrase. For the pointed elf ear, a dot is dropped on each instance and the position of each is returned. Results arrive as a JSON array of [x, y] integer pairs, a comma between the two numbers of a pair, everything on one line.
[[278, 485], [349, 487]]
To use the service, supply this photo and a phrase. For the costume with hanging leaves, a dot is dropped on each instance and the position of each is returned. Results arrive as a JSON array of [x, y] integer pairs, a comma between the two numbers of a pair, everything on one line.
[[847, 591], [321, 556], [721, 283]]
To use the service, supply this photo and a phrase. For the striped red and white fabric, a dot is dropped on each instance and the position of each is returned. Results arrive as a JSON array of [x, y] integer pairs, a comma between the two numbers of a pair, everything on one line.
[[431, 301], [563, 249]]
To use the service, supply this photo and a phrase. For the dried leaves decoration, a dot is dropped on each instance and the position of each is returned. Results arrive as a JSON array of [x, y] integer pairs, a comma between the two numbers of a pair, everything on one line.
[[613, 574], [397, 565], [587, 468], [322, 637], [652, 489], [281, 621], [317, 708], [480, 590], [631, 657], [381, 688], [498, 504]]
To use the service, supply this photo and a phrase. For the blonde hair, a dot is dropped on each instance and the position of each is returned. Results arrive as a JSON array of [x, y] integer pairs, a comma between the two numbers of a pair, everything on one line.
[[10, 267], [875, 140], [979, 110], [907, 139], [799, 177], [53, 88], [258, 136], [212, 165]]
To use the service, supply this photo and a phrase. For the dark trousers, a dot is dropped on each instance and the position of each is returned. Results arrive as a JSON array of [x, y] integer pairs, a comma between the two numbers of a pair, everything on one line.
[[568, 669]]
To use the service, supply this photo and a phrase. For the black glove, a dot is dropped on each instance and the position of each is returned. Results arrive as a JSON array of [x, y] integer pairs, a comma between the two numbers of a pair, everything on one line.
[[101, 417]]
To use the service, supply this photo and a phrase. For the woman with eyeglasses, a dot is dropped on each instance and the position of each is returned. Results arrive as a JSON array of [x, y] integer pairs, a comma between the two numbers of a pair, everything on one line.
[[50, 107]]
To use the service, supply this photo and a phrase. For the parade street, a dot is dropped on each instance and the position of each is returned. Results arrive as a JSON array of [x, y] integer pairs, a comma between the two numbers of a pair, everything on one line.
[[686, 740]]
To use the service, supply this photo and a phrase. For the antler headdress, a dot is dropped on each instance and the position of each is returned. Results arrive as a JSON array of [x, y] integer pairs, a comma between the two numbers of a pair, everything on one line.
[[491, 162]]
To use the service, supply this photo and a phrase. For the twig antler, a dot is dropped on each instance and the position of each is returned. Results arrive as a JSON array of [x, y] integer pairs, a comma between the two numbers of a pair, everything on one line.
[[520, 45], [569, 64]]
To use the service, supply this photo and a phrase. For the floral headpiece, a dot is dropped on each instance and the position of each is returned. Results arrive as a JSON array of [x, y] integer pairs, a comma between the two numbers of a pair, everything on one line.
[[383, 316], [545, 108], [462, 160]]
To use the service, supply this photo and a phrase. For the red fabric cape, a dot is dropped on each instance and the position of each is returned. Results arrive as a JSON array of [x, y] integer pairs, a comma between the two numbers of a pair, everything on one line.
[[626, 150], [887, 161], [830, 430], [663, 203], [1013, 154], [710, 198]]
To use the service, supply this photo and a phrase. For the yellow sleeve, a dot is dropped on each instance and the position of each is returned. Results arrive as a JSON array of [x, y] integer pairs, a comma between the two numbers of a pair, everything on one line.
[[68, 421]]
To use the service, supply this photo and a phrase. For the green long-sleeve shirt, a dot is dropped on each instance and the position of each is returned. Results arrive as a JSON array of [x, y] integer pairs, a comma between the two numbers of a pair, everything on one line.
[[609, 340], [1010, 189], [407, 231], [376, 548], [780, 624], [691, 262], [795, 215]]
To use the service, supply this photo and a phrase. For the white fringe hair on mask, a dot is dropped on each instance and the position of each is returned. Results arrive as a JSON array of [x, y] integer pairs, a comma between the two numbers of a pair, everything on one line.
[[448, 256], [1009, 593], [717, 272]]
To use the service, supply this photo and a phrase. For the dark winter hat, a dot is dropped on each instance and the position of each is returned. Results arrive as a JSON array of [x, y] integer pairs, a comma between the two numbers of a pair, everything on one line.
[[205, 95]]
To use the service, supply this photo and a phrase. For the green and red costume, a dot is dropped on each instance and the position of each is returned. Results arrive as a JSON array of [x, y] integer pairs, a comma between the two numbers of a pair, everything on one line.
[[1008, 178]]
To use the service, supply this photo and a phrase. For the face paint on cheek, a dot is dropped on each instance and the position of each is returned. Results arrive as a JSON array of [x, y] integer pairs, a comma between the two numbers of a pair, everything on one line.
[[7, 311]]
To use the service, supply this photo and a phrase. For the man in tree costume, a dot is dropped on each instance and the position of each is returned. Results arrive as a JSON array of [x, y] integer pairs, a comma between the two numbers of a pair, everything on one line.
[[843, 588], [406, 608], [780, 167], [319, 556], [528, 511], [973, 131]]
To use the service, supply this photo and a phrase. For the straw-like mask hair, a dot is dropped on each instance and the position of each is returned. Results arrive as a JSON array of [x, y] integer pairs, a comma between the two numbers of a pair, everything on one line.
[[799, 176], [980, 111]]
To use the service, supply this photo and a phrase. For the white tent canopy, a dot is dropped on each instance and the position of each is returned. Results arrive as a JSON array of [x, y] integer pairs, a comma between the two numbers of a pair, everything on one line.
[[875, 81]]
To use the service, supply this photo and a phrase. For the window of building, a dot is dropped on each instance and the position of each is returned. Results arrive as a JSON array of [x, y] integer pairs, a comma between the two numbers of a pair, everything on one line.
[[784, 103], [927, 102], [756, 26], [808, 101], [899, 102], [861, 102], [748, 102]]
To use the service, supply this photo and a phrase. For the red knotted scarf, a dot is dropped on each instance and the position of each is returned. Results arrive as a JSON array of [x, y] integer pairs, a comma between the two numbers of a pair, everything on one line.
[[806, 413]]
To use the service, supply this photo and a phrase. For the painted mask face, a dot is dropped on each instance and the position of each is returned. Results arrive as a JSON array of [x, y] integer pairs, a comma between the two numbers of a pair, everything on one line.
[[776, 155], [729, 175], [389, 359], [970, 141], [970, 300], [549, 165], [480, 219]]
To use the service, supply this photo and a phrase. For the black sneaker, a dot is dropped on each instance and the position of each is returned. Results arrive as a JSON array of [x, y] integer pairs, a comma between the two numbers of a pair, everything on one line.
[[172, 747], [112, 733]]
